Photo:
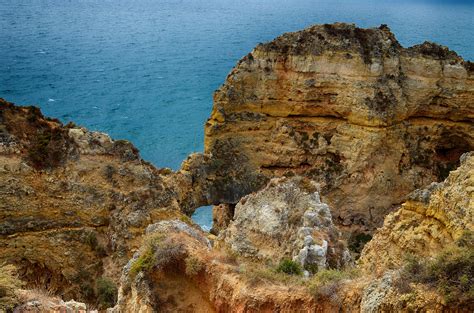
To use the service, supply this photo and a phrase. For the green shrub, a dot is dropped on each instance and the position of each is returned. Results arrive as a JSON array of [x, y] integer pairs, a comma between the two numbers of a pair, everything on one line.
[[106, 293], [312, 268], [193, 266], [289, 267], [158, 253], [87, 291], [326, 283], [466, 239], [259, 273], [144, 263], [90, 238], [9, 283], [451, 272]]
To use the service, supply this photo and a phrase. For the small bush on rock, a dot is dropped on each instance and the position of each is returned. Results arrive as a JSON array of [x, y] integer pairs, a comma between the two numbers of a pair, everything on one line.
[[326, 283], [258, 273], [193, 266], [159, 252], [9, 283], [451, 272], [289, 267], [106, 293]]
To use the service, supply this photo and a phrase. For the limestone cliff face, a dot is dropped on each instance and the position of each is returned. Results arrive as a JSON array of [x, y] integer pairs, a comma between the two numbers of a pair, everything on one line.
[[430, 220], [73, 203], [350, 108]]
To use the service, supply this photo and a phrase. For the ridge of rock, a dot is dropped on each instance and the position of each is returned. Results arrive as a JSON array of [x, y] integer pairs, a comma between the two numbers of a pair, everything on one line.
[[349, 108]]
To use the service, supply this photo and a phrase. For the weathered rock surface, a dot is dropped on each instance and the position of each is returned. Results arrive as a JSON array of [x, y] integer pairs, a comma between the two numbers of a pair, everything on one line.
[[350, 108], [222, 215], [286, 219], [35, 301], [433, 218], [195, 278], [73, 203]]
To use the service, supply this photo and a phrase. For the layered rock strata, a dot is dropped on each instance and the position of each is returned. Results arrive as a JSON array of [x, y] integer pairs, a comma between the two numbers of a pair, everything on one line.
[[350, 108], [366, 119], [432, 218], [73, 203]]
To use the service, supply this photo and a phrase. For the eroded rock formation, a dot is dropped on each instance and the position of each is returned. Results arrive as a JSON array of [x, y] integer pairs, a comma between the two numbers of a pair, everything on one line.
[[431, 219], [73, 203], [176, 271], [286, 219], [333, 111], [350, 108]]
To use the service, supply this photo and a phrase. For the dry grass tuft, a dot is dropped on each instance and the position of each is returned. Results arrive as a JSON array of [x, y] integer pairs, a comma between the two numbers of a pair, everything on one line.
[[9, 284]]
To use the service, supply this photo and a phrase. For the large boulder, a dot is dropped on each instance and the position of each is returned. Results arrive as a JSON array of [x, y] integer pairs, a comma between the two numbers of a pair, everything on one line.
[[287, 219]]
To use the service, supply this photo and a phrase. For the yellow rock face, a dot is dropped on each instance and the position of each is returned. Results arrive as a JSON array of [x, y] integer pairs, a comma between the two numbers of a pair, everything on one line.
[[351, 109], [432, 219], [73, 204]]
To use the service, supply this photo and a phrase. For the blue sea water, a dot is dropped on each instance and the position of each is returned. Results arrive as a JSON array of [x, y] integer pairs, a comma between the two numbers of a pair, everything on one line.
[[203, 217], [145, 70]]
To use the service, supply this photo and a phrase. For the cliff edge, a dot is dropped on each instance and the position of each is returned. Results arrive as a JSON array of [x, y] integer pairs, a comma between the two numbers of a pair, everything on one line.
[[349, 108]]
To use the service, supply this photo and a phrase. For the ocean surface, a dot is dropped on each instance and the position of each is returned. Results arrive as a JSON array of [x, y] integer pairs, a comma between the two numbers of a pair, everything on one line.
[[145, 70]]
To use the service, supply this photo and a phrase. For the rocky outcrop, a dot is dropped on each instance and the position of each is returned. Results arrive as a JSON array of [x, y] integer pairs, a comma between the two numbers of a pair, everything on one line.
[[286, 219], [433, 218], [222, 215], [350, 108], [177, 271], [73, 203]]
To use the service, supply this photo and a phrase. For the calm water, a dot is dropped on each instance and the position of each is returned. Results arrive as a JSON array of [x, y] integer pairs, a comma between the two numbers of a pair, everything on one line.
[[203, 217]]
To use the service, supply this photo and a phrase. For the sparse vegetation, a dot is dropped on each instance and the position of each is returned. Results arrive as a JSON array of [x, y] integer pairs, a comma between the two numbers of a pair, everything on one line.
[[357, 242], [158, 253], [451, 272], [9, 283], [326, 283], [90, 238], [109, 172], [106, 293], [186, 219], [193, 266], [258, 273], [48, 148], [289, 267]]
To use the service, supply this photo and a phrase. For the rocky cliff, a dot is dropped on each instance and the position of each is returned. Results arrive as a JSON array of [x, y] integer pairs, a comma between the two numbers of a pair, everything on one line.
[[350, 108], [432, 218], [314, 138], [74, 203]]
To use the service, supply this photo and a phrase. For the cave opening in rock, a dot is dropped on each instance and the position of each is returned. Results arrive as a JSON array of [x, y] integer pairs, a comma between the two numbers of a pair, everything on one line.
[[203, 217], [447, 154]]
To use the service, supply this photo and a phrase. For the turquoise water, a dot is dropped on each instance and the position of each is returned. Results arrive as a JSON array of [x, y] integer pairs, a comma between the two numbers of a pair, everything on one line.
[[145, 70], [203, 217]]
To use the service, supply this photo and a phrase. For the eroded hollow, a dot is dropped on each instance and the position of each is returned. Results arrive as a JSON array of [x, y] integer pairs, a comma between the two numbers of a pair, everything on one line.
[[447, 154]]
